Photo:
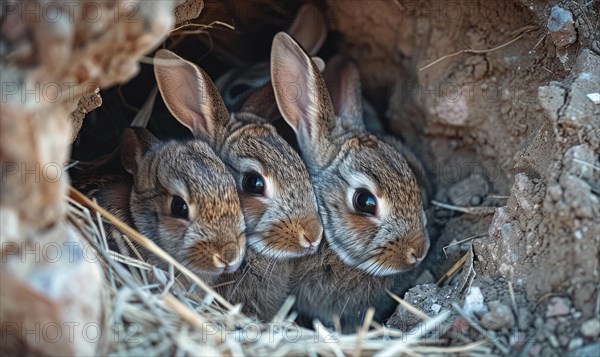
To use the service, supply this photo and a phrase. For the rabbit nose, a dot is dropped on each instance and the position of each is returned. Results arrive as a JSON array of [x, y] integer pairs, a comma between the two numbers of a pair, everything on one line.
[[310, 235], [310, 241], [229, 257], [414, 257], [220, 262], [306, 241]]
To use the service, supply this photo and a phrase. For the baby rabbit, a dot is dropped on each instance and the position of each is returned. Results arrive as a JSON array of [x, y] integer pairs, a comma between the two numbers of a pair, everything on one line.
[[277, 198], [368, 197], [182, 197]]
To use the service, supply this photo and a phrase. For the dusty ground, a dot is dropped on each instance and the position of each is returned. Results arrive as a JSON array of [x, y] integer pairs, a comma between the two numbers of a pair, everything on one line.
[[510, 125], [512, 128]]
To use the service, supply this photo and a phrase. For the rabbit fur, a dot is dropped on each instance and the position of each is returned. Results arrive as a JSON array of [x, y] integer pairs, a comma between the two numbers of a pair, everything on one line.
[[283, 222], [211, 239], [362, 254]]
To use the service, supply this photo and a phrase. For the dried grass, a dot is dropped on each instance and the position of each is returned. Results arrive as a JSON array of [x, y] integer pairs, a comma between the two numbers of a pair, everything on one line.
[[152, 313]]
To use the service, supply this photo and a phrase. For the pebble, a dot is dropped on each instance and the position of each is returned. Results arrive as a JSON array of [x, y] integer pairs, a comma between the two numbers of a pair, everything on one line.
[[558, 307], [500, 316], [553, 341], [575, 343], [535, 350], [474, 301], [594, 97], [555, 192], [561, 27], [591, 350], [524, 318], [591, 328], [436, 308]]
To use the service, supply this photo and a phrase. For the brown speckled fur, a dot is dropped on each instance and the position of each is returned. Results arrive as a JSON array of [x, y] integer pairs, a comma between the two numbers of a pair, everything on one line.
[[275, 222], [361, 255], [160, 170]]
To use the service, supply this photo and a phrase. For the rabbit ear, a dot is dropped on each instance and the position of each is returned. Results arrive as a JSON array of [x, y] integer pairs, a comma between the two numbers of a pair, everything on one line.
[[343, 82], [190, 95], [309, 28], [134, 143], [301, 95]]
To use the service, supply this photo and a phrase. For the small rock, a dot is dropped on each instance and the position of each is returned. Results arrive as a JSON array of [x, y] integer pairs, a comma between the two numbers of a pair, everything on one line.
[[561, 27], [500, 316], [553, 340], [524, 318], [563, 340], [591, 328], [558, 307], [594, 97], [555, 192], [592, 350], [535, 350], [575, 343], [474, 301], [436, 308]]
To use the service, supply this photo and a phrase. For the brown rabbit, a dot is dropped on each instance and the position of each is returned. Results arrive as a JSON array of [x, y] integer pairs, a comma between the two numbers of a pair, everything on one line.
[[369, 199], [278, 202], [181, 196]]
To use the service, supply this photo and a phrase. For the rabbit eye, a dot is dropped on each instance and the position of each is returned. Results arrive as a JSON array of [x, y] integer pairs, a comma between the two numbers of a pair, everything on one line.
[[364, 201], [179, 208], [253, 183]]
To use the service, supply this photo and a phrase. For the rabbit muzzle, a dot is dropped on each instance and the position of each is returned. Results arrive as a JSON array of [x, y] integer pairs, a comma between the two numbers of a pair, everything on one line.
[[228, 259]]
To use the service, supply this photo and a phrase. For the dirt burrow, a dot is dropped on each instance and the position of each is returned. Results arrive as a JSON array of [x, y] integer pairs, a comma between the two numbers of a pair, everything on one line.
[[515, 128], [511, 126]]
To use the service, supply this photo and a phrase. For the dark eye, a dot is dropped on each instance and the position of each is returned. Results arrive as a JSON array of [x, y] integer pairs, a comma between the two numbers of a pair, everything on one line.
[[253, 183], [179, 208], [364, 201]]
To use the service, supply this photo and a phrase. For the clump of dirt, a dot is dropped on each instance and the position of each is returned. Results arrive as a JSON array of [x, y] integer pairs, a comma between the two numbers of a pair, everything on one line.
[[498, 99]]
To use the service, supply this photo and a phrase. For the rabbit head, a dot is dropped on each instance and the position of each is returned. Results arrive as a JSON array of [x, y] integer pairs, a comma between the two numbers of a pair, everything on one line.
[[368, 197], [186, 200], [275, 191]]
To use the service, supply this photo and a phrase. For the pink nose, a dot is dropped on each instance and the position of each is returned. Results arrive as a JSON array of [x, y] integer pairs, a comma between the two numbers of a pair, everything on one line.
[[308, 242], [228, 258], [414, 257], [307, 238], [220, 261]]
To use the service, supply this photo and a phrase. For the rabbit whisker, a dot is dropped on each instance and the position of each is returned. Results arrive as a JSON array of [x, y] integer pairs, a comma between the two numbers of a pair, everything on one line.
[[239, 282]]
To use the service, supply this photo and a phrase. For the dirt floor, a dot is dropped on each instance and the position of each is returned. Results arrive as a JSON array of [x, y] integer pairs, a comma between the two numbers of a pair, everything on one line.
[[513, 125], [500, 100]]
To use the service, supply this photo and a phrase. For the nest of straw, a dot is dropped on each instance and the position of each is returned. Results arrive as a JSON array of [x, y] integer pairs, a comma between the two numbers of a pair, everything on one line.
[[151, 313]]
